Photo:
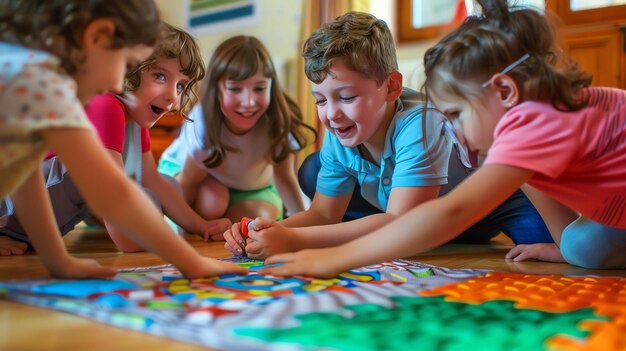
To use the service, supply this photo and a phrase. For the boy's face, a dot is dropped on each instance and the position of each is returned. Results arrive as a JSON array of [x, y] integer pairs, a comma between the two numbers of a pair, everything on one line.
[[158, 93], [243, 102], [353, 107]]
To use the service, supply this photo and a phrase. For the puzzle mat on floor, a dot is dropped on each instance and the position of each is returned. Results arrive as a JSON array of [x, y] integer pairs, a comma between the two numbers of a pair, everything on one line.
[[393, 305]]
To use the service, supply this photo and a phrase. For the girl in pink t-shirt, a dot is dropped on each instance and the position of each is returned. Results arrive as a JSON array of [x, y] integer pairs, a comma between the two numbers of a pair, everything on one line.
[[540, 128]]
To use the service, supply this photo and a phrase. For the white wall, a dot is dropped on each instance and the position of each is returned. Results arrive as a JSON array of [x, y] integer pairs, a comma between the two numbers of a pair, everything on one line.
[[277, 26]]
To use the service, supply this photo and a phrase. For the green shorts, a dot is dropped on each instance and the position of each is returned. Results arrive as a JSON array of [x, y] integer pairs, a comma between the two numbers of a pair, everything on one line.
[[268, 194], [169, 168]]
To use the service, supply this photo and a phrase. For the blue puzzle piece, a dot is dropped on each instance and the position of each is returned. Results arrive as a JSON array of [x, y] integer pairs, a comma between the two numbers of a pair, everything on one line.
[[83, 288]]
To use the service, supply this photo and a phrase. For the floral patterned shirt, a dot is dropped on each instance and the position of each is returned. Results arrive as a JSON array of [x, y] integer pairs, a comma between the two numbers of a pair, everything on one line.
[[34, 95]]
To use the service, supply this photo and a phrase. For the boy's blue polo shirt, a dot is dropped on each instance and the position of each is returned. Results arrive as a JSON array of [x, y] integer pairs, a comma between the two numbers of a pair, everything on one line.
[[416, 153]]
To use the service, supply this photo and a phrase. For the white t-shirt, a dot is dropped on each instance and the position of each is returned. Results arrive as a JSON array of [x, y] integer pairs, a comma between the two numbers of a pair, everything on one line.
[[249, 168]]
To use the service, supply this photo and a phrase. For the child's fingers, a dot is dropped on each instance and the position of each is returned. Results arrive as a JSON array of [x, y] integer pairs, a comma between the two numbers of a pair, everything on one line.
[[216, 227], [217, 237], [238, 236], [105, 272], [253, 247], [231, 249], [525, 256], [283, 270], [514, 252], [238, 244], [261, 222], [226, 267], [280, 258]]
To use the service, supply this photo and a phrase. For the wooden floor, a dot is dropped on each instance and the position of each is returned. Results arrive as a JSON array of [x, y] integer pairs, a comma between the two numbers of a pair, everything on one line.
[[25, 327]]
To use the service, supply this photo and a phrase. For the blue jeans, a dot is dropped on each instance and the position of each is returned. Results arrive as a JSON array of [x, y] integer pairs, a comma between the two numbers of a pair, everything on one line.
[[517, 218]]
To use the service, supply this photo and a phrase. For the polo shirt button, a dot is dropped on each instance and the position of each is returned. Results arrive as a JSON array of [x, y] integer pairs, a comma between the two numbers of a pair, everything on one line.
[[386, 181]]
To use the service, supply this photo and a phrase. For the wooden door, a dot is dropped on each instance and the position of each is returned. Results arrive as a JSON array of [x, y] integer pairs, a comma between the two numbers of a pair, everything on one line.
[[594, 38]]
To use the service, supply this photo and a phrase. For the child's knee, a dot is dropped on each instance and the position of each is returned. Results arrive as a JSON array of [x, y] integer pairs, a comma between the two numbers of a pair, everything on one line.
[[579, 253], [584, 247]]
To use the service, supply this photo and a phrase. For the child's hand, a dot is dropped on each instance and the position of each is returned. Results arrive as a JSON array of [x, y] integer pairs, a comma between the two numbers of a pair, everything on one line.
[[542, 252], [321, 263], [270, 238], [80, 268], [214, 229], [235, 240], [209, 267]]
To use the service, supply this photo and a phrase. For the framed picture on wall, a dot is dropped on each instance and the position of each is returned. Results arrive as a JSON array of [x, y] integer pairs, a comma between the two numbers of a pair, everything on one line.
[[220, 15]]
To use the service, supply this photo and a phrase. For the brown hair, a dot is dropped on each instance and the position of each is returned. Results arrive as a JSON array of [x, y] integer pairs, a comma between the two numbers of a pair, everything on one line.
[[362, 41], [484, 45], [57, 26], [174, 43], [239, 58]]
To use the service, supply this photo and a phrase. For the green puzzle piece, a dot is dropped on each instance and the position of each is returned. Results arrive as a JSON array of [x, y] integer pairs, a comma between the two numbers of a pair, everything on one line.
[[428, 323]]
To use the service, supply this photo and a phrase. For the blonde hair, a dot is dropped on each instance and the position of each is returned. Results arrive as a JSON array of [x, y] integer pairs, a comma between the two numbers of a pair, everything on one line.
[[239, 58], [57, 26], [363, 42], [484, 45], [174, 43]]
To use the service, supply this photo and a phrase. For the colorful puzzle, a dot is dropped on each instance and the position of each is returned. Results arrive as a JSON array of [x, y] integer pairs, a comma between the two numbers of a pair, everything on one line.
[[398, 305]]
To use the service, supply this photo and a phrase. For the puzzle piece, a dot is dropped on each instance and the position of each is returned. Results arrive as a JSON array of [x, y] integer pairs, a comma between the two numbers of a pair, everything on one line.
[[552, 293], [391, 305]]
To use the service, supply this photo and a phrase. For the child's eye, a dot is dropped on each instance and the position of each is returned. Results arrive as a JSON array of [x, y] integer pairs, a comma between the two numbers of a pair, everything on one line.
[[233, 89], [181, 86], [320, 102], [159, 76], [347, 98], [259, 89]]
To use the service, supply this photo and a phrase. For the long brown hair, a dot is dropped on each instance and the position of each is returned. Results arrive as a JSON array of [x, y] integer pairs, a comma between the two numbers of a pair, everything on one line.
[[484, 45], [239, 58], [57, 26]]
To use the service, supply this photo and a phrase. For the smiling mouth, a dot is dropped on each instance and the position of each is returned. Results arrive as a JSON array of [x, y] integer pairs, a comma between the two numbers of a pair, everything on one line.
[[156, 110], [247, 114], [343, 130]]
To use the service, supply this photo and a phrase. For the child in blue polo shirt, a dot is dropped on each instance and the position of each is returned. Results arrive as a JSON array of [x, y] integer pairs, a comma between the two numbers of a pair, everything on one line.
[[379, 136]]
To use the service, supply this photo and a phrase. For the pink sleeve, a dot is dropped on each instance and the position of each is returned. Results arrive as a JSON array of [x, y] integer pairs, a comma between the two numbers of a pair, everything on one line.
[[107, 115], [536, 137]]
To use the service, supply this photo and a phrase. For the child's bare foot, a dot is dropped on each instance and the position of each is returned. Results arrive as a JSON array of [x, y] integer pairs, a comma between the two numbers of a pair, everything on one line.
[[10, 247]]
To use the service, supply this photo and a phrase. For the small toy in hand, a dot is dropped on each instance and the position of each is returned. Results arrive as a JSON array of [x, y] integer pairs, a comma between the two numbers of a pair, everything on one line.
[[246, 225]]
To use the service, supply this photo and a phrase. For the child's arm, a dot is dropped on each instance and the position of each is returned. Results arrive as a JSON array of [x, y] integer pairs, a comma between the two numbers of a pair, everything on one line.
[[278, 239], [121, 240], [287, 184], [190, 177], [113, 196], [175, 207], [421, 229], [33, 209]]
